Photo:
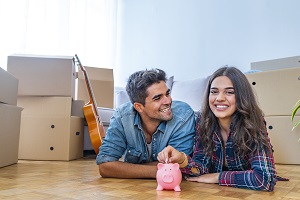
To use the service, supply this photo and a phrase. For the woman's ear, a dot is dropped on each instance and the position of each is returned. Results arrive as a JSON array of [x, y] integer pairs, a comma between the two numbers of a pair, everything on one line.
[[138, 107]]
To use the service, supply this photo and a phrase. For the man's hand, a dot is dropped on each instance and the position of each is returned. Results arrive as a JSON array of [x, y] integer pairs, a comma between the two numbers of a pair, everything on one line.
[[170, 155]]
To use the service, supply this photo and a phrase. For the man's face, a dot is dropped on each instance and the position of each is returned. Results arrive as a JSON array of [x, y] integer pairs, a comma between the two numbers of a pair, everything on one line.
[[158, 103]]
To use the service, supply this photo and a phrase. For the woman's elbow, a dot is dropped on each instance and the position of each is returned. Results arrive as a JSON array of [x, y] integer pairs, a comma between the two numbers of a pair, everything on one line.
[[267, 183], [269, 186]]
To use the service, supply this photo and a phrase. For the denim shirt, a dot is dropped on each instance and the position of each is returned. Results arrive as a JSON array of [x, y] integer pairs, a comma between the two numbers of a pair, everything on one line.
[[126, 137]]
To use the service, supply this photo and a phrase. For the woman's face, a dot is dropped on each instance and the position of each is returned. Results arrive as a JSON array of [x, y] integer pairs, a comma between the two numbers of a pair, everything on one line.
[[222, 98]]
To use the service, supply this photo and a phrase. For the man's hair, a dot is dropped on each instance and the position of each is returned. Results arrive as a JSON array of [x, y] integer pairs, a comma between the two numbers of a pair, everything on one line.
[[139, 82]]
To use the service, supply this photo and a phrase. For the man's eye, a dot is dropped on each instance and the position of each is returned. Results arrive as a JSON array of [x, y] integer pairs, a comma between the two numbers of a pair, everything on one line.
[[168, 92], [156, 98]]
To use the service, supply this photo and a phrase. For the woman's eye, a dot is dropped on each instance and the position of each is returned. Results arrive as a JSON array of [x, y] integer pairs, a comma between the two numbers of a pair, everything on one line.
[[230, 92], [213, 92]]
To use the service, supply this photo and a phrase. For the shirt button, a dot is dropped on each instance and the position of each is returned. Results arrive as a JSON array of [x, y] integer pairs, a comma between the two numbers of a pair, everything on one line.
[[153, 154], [154, 139], [129, 151]]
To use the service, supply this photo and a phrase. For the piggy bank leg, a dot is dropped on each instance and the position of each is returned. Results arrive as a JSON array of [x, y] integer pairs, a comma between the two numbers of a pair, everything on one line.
[[159, 187], [177, 188]]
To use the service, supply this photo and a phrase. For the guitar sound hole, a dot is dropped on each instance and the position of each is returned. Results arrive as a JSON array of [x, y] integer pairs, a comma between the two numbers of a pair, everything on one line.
[[51, 148], [77, 133], [52, 126]]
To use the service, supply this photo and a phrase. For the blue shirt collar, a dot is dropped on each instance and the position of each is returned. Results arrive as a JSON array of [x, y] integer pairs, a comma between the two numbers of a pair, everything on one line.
[[138, 123]]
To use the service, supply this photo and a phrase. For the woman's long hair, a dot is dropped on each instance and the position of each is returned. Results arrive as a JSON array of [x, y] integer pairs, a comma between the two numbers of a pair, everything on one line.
[[248, 127]]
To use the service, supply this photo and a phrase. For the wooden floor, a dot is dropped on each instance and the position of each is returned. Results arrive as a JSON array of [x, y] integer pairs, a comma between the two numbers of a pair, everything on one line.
[[79, 179]]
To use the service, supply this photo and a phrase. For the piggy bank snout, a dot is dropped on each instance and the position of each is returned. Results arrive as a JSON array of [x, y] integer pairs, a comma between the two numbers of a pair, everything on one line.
[[168, 178]]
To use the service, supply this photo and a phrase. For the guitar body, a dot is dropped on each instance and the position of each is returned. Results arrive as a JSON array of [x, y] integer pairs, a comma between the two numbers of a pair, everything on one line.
[[92, 117], [96, 130]]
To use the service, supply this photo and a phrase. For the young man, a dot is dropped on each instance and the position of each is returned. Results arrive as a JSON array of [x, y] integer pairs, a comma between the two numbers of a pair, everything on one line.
[[140, 129]]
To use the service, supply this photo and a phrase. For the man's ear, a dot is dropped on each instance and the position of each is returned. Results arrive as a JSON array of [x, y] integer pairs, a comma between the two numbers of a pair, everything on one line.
[[138, 107]]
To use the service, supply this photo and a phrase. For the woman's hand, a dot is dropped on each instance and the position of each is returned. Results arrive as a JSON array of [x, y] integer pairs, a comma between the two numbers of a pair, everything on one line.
[[205, 178], [170, 155]]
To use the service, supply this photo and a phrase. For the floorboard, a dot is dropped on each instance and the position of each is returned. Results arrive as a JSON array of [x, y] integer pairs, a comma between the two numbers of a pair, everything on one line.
[[79, 179]]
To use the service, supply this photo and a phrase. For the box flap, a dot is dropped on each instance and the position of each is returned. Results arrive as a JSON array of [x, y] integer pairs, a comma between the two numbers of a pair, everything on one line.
[[102, 84], [95, 73], [289, 62]]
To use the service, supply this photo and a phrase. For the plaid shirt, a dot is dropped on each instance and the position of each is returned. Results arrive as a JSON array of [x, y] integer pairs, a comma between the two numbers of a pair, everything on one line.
[[256, 171]]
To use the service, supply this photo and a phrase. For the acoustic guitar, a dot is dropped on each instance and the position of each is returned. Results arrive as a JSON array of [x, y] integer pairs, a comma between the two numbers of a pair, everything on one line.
[[91, 114]]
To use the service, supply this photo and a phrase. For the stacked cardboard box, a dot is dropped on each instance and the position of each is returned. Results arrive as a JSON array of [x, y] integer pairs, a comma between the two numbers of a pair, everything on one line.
[[280, 63], [102, 83], [52, 121], [277, 91], [10, 117]]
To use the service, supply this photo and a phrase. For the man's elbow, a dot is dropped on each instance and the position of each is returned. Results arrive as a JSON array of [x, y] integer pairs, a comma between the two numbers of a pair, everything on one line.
[[103, 171]]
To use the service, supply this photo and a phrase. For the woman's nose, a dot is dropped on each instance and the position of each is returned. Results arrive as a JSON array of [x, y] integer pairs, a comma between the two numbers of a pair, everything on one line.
[[220, 97]]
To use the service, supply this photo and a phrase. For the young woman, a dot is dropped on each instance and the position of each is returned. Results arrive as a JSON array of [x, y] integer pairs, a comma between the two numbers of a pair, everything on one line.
[[232, 147]]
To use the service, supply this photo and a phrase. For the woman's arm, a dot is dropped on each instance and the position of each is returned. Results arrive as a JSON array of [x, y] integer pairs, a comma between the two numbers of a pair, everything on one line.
[[261, 176], [205, 178]]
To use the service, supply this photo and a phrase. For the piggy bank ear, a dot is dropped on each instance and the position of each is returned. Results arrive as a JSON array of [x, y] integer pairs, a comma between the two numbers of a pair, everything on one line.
[[160, 165], [176, 166]]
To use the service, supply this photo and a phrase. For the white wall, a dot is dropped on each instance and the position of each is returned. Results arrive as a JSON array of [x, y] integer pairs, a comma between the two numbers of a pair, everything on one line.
[[192, 38]]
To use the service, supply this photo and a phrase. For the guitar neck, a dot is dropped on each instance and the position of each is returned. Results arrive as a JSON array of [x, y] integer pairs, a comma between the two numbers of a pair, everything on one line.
[[90, 110], [89, 86], [90, 91]]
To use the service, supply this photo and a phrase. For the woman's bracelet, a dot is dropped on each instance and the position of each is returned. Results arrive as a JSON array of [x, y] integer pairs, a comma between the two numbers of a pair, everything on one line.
[[185, 161]]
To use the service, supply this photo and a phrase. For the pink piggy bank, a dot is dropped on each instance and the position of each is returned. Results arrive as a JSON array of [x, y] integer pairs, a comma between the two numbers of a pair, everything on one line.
[[168, 177]]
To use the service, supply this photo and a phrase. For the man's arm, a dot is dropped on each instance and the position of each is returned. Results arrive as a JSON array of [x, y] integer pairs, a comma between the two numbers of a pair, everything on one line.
[[119, 169]]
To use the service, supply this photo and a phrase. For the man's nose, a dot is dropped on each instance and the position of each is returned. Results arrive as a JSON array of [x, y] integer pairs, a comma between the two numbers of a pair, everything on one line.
[[167, 99]]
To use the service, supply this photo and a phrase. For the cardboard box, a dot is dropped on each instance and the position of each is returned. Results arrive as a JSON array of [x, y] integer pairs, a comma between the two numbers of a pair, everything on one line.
[[277, 90], [285, 141], [43, 75], [8, 88], [48, 131], [10, 118], [281, 63], [77, 108], [102, 84]]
